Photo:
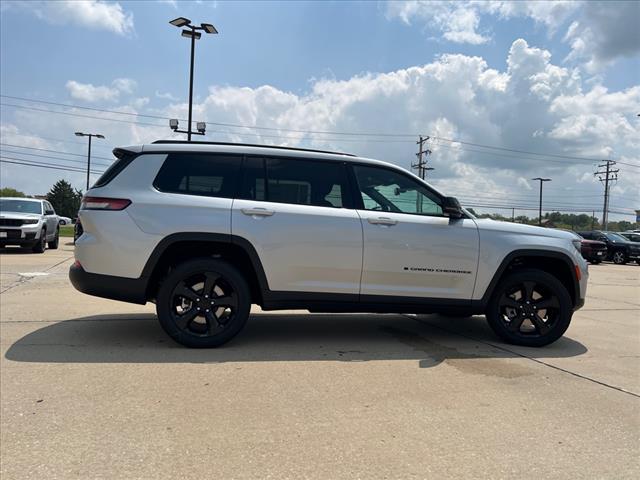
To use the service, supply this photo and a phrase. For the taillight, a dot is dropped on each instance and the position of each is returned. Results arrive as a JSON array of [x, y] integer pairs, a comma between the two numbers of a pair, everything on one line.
[[102, 203]]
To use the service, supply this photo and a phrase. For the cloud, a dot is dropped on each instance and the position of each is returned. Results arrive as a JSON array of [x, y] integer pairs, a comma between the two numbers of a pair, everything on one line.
[[598, 32], [166, 96], [92, 14], [90, 93], [533, 104], [604, 32]]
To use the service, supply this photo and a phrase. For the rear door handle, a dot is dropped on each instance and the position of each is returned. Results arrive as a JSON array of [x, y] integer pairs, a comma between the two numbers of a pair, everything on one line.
[[257, 212], [382, 221]]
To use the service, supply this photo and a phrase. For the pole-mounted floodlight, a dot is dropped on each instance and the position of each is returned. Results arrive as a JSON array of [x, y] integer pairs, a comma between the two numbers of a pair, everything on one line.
[[201, 127], [180, 22], [173, 124], [90, 135], [191, 31], [541, 180]]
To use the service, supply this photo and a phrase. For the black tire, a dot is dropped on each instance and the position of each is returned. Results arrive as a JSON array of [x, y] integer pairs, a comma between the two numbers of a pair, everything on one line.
[[182, 296], [53, 245], [513, 311], [619, 257], [41, 244]]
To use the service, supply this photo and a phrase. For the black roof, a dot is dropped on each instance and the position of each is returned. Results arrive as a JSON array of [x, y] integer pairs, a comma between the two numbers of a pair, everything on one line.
[[185, 142]]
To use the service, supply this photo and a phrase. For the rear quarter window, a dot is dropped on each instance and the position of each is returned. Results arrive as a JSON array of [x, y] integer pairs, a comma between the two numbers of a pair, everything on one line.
[[124, 159], [204, 174]]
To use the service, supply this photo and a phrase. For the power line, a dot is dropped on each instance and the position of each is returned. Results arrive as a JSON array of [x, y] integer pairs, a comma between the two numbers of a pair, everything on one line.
[[53, 166], [48, 156], [53, 151], [281, 129], [52, 139]]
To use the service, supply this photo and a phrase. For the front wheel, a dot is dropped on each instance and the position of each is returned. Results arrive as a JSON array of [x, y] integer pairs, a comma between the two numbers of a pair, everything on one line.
[[203, 303], [41, 243], [619, 258], [53, 245], [530, 308]]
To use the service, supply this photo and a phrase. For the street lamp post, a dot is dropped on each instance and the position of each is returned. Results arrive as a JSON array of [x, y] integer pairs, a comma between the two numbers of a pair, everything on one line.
[[90, 135], [541, 180], [194, 34]]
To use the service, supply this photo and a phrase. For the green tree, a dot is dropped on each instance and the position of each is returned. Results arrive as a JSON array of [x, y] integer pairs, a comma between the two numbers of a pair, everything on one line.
[[11, 192], [65, 200]]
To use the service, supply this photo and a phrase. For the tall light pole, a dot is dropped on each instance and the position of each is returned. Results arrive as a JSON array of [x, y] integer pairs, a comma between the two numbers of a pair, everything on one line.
[[541, 180], [191, 32], [90, 135]]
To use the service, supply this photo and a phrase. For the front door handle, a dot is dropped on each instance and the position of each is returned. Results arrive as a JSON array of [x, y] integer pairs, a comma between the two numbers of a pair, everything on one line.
[[382, 221], [257, 212]]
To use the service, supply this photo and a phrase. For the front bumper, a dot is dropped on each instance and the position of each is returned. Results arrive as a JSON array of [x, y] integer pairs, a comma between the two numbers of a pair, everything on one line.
[[18, 236], [132, 290]]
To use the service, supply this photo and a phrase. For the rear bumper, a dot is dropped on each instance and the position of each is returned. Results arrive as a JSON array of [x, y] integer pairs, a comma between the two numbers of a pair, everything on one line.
[[132, 290]]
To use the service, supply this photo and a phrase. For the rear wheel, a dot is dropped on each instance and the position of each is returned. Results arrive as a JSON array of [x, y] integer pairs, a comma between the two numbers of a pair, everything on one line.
[[203, 303], [530, 308], [53, 245], [619, 257], [41, 244]]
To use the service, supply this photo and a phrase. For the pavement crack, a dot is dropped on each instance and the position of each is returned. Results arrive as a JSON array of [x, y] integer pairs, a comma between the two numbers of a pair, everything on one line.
[[25, 279]]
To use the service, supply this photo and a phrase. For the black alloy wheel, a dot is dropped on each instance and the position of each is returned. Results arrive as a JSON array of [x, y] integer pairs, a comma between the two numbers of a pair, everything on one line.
[[203, 303], [530, 308]]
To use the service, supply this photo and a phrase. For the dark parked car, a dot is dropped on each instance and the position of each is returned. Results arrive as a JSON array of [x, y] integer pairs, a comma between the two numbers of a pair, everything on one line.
[[633, 236], [619, 249], [593, 251]]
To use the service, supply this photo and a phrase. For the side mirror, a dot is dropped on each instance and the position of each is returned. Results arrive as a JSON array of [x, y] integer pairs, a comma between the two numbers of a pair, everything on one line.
[[49, 212], [451, 207]]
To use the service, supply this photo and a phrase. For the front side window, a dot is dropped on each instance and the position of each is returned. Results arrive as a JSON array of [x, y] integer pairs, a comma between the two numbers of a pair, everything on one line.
[[296, 181], [384, 190], [211, 175]]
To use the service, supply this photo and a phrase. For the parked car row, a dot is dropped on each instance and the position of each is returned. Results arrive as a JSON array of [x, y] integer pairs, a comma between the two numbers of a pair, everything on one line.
[[619, 248]]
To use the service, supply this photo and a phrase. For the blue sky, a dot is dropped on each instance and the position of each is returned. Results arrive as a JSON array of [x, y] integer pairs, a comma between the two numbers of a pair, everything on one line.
[[350, 66]]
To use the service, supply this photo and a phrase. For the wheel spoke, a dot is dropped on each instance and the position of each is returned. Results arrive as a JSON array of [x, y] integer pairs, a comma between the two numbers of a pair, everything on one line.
[[183, 321], [210, 280], [541, 325], [183, 291], [226, 301], [507, 301], [545, 303], [212, 323], [528, 290], [516, 323]]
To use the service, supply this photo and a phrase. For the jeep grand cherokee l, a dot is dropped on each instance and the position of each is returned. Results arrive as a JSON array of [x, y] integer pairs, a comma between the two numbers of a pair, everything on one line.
[[204, 230], [28, 223]]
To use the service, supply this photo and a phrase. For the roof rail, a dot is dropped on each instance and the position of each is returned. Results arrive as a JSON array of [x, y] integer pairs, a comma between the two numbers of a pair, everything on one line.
[[185, 142]]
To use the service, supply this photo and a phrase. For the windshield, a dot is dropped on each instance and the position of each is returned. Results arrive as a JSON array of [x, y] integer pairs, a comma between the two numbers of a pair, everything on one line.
[[614, 237], [21, 206]]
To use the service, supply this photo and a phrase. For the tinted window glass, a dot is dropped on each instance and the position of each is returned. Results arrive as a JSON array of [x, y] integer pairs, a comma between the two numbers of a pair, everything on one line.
[[114, 169], [209, 175], [297, 181], [388, 191]]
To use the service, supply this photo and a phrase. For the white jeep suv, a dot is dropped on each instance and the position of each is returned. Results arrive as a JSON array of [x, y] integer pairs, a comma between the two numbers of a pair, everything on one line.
[[29, 223], [204, 230]]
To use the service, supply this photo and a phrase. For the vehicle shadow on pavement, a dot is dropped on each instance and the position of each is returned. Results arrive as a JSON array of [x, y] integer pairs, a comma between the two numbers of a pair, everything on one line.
[[429, 339]]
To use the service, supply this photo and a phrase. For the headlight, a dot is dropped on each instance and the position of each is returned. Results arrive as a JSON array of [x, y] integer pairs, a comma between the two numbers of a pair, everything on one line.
[[577, 244], [29, 222]]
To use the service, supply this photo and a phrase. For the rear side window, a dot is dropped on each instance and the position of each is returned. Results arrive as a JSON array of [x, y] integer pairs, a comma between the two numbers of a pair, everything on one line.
[[297, 181], [124, 159], [209, 175]]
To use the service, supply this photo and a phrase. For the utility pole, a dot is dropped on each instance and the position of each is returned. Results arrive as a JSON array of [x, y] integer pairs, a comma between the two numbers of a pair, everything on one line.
[[606, 176], [541, 180], [422, 164]]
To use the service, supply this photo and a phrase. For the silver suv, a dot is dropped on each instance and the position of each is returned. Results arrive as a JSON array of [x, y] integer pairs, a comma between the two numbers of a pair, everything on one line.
[[204, 230], [28, 223]]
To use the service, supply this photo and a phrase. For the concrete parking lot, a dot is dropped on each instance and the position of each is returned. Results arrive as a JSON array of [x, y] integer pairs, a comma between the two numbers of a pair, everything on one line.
[[92, 388]]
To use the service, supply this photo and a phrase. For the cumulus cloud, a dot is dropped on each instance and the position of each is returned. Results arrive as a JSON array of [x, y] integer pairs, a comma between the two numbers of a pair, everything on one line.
[[604, 32], [459, 101], [90, 93], [93, 14]]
